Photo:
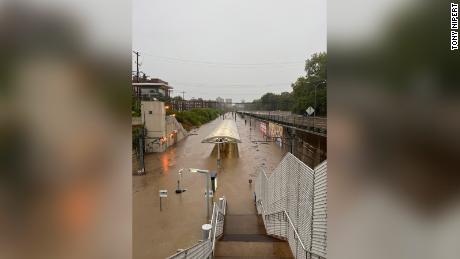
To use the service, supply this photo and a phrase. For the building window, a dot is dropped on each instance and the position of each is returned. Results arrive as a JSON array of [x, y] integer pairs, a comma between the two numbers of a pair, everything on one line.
[[150, 112]]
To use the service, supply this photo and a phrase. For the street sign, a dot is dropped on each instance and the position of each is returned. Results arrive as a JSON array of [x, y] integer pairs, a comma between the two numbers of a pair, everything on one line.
[[163, 193], [310, 110]]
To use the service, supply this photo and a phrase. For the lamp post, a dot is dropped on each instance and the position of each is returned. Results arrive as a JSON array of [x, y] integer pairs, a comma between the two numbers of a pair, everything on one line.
[[179, 189], [206, 173]]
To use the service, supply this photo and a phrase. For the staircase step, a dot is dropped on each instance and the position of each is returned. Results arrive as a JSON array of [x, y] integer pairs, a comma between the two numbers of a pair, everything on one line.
[[249, 238], [251, 257], [244, 224], [235, 249]]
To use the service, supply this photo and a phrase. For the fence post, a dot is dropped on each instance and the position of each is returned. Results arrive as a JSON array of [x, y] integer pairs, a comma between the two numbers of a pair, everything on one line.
[[221, 203]]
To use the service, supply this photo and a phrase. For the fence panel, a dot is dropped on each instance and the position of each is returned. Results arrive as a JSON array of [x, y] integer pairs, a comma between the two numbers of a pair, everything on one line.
[[293, 204]]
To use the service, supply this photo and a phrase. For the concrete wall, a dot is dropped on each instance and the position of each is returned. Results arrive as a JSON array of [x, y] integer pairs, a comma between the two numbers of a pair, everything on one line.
[[174, 131]]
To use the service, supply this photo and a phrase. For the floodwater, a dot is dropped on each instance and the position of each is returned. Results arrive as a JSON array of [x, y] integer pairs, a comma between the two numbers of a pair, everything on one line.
[[158, 234]]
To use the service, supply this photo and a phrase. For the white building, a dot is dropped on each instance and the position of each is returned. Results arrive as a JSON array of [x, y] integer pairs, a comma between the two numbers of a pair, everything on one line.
[[161, 131]]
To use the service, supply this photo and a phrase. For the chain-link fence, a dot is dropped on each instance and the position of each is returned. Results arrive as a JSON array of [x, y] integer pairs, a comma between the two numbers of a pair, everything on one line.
[[292, 201]]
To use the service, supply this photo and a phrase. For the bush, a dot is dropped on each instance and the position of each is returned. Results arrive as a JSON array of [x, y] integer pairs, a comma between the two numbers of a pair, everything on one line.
[[197, 117]]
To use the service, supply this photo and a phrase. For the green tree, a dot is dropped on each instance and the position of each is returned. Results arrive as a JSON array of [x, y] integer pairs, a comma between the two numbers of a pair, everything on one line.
[[308, 90], [311, 90]]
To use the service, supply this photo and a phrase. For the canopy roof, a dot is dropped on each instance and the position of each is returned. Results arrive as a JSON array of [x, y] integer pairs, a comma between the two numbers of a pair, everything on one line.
[[225, 132]]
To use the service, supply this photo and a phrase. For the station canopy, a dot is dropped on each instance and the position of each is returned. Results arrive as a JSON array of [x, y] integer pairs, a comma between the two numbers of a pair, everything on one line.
[[225, 132]]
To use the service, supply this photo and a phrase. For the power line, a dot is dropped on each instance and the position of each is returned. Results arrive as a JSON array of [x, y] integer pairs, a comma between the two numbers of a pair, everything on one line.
[[225, 63], [197, 84]]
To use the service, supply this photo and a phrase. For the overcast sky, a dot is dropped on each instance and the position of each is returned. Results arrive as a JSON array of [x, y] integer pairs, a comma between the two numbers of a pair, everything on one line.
[[237, 49]]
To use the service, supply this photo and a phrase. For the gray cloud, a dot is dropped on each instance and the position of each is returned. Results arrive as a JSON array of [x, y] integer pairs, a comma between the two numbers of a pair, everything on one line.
[[234, 49]]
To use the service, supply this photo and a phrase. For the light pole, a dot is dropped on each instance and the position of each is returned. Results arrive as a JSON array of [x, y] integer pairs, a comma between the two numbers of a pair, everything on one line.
[[206, 173], [179, 189], [314, 111]]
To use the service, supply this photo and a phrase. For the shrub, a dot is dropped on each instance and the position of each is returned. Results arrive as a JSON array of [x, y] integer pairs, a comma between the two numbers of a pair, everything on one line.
[[197, 117]]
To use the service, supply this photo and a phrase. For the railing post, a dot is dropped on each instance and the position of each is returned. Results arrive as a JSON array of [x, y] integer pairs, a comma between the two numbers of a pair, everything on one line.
[[221, 204], [206, 229]]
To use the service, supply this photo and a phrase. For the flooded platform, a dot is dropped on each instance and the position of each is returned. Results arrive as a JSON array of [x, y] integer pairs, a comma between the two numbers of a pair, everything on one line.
[[160, 234]]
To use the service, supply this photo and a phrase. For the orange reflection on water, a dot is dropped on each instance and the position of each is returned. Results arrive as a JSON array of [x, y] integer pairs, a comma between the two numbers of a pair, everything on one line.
[[165, 162]]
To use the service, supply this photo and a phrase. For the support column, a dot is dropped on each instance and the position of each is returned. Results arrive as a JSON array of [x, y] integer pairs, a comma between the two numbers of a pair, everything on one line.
[[218, 156]]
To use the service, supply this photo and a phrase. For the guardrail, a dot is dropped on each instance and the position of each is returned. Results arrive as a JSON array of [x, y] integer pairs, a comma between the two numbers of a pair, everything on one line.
[[317, 125], [205, 248], [292, 201]]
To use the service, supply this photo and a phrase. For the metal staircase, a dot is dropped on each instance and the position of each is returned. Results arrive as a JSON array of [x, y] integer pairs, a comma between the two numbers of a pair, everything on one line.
[[291, 221], [205, 248], [245, 237], [293, 204]]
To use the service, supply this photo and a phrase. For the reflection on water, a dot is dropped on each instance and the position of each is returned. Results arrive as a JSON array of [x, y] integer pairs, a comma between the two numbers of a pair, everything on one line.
[[165, 163]]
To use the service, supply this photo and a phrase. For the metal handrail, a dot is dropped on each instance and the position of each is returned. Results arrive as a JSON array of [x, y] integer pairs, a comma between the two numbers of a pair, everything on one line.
[[290, 222], [297, 234], [292, 226], [214, 219], [214, 228], [275, 215], [211, 239], [201, 242]]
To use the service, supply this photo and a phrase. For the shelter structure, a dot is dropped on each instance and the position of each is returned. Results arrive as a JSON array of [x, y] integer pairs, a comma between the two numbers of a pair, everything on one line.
[[226, 138], [226, 132]]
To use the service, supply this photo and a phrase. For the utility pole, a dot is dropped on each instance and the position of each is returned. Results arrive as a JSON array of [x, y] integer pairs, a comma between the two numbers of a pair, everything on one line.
[[137, 65], [137, 88], [141, 150], [183, 95]]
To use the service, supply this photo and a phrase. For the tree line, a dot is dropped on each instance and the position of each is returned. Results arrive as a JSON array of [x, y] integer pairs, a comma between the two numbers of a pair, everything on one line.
[[308, 90]]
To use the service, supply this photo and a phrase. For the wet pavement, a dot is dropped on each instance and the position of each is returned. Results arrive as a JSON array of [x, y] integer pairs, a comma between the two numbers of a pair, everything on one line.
[[158, 234]]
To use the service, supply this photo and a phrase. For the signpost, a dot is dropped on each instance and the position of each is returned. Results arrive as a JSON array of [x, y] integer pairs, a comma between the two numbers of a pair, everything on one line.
[[163, 194]]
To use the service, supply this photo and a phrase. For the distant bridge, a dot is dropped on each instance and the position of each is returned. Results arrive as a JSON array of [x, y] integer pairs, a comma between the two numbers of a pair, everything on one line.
[[313, 125]]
